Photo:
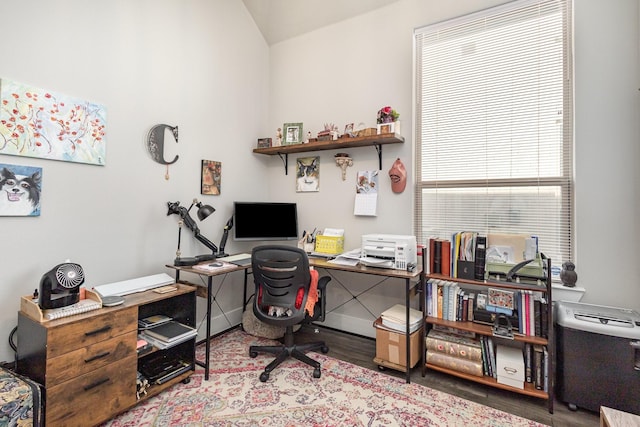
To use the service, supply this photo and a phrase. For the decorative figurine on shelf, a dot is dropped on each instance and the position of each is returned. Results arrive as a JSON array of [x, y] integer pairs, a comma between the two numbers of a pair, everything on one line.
[[398, 175], [568, 275], [278, 141]]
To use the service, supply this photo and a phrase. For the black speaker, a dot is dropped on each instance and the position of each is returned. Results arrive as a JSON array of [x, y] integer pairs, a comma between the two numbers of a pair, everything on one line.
[[60, 286]]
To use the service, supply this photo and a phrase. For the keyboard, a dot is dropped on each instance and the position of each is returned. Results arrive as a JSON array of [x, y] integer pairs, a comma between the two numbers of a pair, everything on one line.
[[81, 306]]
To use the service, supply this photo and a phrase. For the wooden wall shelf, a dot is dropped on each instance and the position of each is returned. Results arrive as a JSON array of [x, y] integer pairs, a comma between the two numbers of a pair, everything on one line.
[[376, 141]]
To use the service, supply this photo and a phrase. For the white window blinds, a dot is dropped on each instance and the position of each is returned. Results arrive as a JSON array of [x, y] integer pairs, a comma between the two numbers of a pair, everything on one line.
[[494, 132]]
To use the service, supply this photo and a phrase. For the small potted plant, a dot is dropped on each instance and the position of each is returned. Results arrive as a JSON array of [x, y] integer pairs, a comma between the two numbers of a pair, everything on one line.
[[388, 120]]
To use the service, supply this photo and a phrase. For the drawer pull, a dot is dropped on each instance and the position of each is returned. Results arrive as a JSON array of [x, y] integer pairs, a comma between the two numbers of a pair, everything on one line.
[[97, 356], [96, 384], [98, 331]]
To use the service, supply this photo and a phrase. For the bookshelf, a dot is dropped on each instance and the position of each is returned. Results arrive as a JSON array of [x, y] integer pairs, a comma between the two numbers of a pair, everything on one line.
[[484, 330]]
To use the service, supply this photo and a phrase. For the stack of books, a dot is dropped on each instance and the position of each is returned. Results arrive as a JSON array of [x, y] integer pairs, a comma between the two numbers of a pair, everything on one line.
[[395, 318], [167, 334], [455, 352]]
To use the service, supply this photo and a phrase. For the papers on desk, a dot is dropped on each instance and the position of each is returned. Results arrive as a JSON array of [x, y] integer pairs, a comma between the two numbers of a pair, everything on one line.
[[350, 258]]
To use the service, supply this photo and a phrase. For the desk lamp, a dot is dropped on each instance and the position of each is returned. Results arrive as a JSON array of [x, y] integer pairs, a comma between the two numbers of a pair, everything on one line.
[[203, 212]]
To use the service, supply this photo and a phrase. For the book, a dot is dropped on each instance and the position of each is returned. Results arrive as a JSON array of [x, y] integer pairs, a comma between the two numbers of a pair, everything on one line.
[[445, 257], [151, 321], [455, 363], [437, 256], [170, 331], [538, 361], [528, 362], [480, 256], [462, 347]]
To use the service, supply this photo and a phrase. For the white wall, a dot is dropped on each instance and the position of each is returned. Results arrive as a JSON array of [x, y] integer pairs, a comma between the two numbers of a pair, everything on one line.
[[198, 64], [203, 66], [346, 72]]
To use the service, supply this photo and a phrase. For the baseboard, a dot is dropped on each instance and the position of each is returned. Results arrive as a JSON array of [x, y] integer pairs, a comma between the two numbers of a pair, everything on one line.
[[219, 323], [346, 323]]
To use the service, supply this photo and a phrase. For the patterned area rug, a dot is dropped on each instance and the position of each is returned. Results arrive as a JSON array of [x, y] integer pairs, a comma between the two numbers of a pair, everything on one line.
[[345, 395]]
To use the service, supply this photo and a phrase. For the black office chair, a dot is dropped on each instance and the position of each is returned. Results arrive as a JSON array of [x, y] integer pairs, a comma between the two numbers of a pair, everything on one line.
[[282, 280]]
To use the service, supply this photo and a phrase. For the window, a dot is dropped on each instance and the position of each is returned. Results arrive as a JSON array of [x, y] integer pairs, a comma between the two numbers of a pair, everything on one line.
[[494, 131]]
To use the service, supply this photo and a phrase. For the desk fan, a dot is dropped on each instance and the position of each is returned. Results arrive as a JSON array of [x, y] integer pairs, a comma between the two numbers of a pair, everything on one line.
[[60, 286]]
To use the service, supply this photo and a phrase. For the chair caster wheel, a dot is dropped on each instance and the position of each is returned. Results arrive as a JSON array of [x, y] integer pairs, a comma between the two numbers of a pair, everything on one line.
[[186, 381], [253, 354], [316, 373], [264, 377], [324, 349]]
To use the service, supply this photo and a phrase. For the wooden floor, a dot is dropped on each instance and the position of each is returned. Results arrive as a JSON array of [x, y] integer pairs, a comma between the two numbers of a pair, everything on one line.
[[361, 351]]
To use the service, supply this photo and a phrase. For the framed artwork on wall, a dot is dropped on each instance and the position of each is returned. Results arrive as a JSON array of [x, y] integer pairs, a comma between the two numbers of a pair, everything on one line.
[[40, 123], [292, 134], [307, 174], [20, 189], [211, 177]]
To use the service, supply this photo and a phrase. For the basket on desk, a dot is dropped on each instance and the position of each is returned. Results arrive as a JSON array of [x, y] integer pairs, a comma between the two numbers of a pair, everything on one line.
[[330, 244]]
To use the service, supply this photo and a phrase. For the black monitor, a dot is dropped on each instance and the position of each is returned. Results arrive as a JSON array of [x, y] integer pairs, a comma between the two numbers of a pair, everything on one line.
[[265, 221]]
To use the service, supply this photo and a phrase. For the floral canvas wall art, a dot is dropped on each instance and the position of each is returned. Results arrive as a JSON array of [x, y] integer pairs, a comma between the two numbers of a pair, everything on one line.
[[20, 189], [39, 123]]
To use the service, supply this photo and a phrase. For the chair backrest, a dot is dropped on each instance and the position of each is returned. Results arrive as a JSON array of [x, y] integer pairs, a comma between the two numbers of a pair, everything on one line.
[[281, 276]]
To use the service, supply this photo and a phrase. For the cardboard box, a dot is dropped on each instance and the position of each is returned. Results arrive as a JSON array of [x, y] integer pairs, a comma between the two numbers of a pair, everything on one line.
[[391, 346], [510, 366]]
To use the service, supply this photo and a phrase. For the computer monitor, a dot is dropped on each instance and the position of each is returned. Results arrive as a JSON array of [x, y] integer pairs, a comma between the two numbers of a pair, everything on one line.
[[265, 221]]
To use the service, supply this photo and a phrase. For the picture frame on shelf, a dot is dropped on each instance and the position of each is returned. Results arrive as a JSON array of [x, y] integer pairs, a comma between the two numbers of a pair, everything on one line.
[[292, 133], [264, 142], [386, 128]]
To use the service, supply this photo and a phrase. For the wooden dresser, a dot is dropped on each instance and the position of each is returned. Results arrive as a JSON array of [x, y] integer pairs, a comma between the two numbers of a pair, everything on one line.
[[88, 362]]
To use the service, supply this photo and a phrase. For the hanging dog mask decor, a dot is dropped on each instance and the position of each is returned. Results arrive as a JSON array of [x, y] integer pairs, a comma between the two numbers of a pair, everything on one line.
[[155, 145]]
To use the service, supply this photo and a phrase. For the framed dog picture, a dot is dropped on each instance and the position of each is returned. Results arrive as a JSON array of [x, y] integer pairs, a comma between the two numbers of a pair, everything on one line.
[[20, 190]]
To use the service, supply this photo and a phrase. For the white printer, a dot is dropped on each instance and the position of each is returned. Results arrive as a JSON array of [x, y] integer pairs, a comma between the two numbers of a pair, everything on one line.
[[389, 251]]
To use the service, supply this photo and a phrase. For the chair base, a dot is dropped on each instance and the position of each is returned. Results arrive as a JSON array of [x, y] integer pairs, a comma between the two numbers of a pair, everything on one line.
[[289, 349]]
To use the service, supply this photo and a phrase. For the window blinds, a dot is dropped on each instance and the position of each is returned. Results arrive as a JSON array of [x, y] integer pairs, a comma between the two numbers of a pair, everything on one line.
[[494, 132]]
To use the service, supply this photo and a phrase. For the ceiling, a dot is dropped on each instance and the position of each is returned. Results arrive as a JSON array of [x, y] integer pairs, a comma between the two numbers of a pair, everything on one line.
[[280, 20]]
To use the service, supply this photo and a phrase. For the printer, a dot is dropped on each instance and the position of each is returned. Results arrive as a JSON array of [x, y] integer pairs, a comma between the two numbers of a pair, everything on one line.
[[389, 251]]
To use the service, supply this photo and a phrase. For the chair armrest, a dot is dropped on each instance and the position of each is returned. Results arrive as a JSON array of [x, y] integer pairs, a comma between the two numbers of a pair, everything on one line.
[[322, 282]]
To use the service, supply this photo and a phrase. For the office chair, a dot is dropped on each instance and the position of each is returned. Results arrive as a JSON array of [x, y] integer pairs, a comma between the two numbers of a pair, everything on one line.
[[282, 279]]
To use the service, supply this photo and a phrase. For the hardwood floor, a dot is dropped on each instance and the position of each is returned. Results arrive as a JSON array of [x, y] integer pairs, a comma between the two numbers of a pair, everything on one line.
[[361, 351]]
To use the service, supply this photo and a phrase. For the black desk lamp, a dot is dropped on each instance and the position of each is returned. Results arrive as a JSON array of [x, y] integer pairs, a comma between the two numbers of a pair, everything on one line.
[[203, 212]]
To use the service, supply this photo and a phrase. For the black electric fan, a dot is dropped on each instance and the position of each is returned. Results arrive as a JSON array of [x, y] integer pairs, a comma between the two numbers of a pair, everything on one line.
[[60, 286]]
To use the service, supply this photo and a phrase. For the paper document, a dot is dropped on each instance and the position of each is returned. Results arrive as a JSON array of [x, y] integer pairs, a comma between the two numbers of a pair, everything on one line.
[[351, 258], [376, 262]]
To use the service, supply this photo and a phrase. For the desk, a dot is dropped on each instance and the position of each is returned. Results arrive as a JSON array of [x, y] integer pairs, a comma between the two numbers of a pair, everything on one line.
[[210, 275], [386, 272], [317, 263]]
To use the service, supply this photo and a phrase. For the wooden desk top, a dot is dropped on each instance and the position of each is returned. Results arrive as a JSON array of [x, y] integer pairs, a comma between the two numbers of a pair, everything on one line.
[[388, 272], [222, 270], [313, 261]]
